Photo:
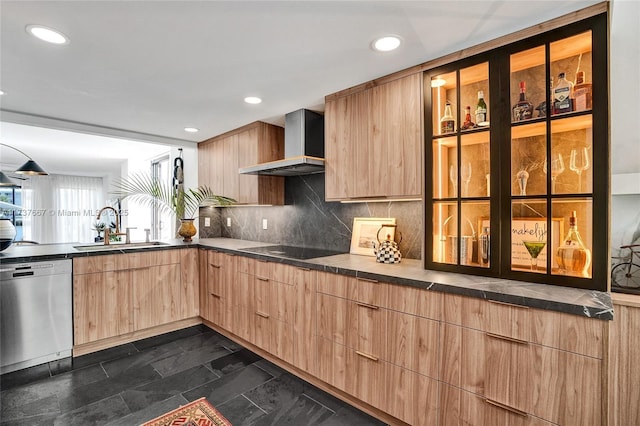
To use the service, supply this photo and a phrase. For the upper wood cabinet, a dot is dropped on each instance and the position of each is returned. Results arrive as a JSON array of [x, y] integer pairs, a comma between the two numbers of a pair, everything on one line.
[[219, 159], [373, 142]]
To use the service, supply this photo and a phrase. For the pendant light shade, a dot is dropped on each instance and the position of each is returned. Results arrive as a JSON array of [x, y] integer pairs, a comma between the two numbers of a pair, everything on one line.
[[31, 168], [5, 182]]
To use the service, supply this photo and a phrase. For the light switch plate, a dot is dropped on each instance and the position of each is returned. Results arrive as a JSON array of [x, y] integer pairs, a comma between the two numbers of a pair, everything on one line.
[[228, 221], [264, 224], [207, 221]]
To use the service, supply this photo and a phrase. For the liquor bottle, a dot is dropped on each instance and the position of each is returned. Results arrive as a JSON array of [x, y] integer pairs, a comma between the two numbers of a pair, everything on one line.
[[485, 247], [481, 110], [447, 122], [562, 95], [582, 93], [523, 110], [572, 256], [468, 124]]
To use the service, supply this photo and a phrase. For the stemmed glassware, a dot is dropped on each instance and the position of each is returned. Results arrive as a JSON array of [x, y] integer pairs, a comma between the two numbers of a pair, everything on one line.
[[465, 177], [579, 162], [557, 167], [534, 248], [453, 176]]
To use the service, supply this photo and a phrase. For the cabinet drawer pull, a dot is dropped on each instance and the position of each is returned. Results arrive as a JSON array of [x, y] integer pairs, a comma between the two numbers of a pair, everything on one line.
[[262, 314], [366, 305], [507, 304], [217, 296], [371, 357], [506, 407], [367, 280], [304, 269], [215, 266], [508, 339], [262, 278]]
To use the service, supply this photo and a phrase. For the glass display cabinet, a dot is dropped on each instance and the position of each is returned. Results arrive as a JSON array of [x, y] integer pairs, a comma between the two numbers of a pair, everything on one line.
[[517, 174]]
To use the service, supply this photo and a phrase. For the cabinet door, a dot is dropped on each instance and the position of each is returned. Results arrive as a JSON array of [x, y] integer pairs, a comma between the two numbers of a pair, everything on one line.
[[366, 331], [395, 147], [231, 178], [247, 142], [333, 318], [413, 343], [304, 321], [189, 284], [243, 307], [412, 397], [214, 287], [346, 130], [156, 295], [101, 306]]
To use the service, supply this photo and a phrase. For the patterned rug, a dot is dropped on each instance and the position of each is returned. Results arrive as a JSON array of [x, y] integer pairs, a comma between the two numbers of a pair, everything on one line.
[[197, 413]]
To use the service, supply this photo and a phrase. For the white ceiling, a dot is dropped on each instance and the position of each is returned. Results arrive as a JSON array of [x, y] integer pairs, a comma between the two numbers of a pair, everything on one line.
[[153, 67]]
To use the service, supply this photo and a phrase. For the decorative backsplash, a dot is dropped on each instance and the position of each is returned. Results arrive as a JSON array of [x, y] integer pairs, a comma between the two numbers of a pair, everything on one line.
[[307, 220]]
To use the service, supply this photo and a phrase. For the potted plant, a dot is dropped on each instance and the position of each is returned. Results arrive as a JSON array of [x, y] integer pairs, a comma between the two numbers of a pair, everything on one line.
[[181, 203]]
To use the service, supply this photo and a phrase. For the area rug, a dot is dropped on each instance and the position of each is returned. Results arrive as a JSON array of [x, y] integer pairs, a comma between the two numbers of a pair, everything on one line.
[[197, 413]]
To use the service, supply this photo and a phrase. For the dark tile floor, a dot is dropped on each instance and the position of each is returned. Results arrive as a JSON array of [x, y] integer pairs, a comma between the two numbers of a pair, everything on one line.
[[136, 382]]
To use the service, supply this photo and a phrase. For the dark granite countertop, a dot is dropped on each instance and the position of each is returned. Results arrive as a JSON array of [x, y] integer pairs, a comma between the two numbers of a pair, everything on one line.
[[588, 303]]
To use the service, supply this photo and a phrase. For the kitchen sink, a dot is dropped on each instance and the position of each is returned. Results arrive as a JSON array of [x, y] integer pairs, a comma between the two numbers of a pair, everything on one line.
[[115, 246]]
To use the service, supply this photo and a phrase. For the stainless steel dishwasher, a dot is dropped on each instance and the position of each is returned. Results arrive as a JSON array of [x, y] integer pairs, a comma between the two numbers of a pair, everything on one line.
[[36, 322]]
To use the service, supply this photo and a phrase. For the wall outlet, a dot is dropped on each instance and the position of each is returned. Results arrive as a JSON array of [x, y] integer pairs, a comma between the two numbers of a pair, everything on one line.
[[207, 221], [264, 224], [228, 221]]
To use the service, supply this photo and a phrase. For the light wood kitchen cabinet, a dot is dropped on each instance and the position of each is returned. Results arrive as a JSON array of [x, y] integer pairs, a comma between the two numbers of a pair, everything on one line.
[[116, 295], [217, 273], [373, 146], [101, 305], [492, 355], [219, 159]]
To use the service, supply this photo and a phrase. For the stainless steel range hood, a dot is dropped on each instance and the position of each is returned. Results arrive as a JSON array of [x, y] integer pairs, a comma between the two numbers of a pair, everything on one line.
[[303, 147]]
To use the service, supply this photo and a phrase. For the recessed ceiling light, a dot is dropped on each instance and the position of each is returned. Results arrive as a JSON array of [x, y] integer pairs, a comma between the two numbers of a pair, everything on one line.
[[386, 43], [1, 92], [252, 100], [438, 82], [191, 129], [47, 34]]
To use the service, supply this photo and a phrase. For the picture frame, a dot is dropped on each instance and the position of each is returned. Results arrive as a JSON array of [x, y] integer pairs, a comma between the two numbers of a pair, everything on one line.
[[364, 234], [523, 228]]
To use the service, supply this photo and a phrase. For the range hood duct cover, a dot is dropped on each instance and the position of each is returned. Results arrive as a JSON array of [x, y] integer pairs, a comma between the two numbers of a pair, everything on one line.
[[303, 147]]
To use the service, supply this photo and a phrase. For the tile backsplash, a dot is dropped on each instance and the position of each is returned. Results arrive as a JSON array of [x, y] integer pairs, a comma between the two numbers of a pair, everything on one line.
[[307, 220]]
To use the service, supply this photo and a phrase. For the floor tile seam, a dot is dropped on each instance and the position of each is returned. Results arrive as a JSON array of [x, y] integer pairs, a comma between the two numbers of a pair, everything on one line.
[[249, 399], [246, 390], [318, 402], [209, 368]]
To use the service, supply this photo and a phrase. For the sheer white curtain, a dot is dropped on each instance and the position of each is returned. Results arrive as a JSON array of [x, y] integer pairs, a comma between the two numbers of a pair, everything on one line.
[[60, 208]]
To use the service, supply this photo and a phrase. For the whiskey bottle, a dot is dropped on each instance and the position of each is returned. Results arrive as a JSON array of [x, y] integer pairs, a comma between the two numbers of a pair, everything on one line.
[[447, 122], [562, 95], [468, 124], [572, 256], [582, 93], [523, 110], [481, 110]]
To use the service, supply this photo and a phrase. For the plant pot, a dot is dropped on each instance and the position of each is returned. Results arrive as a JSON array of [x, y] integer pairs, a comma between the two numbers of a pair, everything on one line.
[[187, 230], [7, 233]]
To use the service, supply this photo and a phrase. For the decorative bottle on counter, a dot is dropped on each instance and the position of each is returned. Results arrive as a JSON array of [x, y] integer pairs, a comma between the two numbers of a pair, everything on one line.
[[572, 256], [523, 110], [582, 93], [468, 124], [447, 122], [485, 247], [481, 110], [562, 95]]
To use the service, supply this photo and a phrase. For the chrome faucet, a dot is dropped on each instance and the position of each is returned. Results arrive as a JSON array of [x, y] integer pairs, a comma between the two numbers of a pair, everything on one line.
[[107, 231]]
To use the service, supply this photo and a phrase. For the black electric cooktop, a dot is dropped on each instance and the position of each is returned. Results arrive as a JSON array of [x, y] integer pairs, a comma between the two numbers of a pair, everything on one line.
[[292, 252]]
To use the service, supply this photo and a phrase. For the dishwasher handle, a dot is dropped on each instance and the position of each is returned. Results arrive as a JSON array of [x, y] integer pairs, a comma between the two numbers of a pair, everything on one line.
[[23, 274]]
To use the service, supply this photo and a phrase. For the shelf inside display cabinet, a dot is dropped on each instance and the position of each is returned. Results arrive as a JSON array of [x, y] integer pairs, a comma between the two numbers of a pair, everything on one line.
[[468, 138], [559, 125]]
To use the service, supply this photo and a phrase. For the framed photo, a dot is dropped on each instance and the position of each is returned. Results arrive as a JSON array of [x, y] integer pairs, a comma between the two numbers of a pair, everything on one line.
[[365, 230], [526, 228]]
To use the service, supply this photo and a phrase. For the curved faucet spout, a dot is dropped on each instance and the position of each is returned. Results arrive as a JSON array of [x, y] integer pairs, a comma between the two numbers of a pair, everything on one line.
[[114, 212]]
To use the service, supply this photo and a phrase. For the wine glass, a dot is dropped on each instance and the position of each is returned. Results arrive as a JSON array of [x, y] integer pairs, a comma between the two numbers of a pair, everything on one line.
[[453, 176], [579, 162], [465, 177], [557, 167], [534, 248]]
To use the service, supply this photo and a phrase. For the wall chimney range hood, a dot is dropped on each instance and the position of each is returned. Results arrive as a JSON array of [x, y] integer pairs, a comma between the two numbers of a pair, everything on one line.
[[303, 147]]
